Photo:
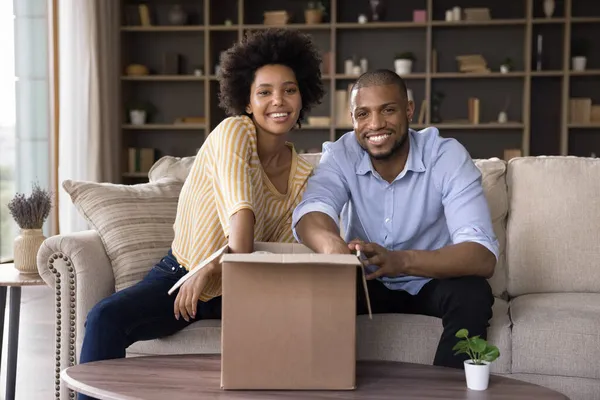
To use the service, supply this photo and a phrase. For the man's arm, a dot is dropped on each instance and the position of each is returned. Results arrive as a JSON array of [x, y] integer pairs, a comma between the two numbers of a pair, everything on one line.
[[315, 220], [462, 259], [474, 249]]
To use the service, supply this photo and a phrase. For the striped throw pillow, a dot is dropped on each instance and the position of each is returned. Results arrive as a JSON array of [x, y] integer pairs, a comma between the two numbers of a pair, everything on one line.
[[135, 222]]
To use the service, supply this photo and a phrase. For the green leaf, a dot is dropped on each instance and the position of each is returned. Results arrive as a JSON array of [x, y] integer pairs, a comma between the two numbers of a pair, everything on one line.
[[491, 353], [462, 345], [478, 345], [463, 333]]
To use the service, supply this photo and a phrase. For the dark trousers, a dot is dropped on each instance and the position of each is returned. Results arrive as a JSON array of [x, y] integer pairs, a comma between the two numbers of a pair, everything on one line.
[[464, 302], [141, 312]]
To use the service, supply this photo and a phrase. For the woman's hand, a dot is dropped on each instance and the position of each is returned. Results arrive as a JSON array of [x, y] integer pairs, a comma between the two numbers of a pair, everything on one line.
[[186, 302]]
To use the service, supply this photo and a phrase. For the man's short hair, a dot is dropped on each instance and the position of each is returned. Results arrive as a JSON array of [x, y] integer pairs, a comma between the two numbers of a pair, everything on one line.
[[381, 77]]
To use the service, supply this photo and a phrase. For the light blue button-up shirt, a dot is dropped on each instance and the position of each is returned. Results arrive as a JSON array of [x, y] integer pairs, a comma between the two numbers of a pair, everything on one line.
[[436, 200]]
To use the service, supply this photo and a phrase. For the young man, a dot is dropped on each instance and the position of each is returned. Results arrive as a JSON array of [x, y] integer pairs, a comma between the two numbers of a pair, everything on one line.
[[413, 204]]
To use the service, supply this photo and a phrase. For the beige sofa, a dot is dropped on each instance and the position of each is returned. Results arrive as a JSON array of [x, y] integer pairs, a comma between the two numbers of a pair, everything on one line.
[[546, 213]]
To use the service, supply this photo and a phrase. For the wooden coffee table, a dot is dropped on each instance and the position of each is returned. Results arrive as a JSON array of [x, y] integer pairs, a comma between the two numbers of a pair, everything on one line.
[[184, 377]]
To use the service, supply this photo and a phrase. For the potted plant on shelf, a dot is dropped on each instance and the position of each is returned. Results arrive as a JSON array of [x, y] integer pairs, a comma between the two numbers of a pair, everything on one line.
[[29, 213], [140, 112], [579, 51], [314, 12], [403, 63], [481, 355], [507, 65]]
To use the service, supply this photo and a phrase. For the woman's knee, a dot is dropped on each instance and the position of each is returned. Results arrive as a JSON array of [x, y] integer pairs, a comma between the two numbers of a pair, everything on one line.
[[104, 315]]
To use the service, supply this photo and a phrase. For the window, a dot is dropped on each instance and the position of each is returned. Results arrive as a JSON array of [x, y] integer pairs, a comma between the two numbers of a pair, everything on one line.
[[24, 107], [7, 127]]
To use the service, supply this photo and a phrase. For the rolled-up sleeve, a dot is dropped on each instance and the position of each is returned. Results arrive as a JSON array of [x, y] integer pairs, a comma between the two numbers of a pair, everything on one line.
[[326, 192], [465, 206]]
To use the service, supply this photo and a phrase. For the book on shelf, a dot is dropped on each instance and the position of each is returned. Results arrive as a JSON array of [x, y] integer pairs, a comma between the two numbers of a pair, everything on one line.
[[580, 110], [140, 159], [473, 110]]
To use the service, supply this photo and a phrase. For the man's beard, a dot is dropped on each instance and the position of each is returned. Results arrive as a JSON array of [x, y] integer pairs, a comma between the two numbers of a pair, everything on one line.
[[398, 144]]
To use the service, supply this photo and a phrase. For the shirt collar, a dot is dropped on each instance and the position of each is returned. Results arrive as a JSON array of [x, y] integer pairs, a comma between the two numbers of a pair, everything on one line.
[[413, 163]]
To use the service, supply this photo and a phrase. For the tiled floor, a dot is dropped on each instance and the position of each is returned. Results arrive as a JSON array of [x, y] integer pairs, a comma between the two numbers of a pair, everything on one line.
[[35, 367]]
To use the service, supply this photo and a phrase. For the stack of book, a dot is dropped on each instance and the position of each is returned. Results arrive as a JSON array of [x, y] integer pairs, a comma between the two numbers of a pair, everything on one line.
[[581, 111], [140, 159], [472, 63]]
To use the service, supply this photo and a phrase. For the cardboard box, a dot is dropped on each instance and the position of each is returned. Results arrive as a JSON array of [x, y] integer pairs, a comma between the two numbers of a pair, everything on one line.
[[289, 319]]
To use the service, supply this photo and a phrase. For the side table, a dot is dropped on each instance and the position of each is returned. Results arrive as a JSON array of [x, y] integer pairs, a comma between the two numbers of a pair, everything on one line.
[[11, 278]]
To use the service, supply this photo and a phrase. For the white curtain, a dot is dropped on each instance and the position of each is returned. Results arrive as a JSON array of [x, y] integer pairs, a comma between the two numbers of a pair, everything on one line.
[[88, 127]]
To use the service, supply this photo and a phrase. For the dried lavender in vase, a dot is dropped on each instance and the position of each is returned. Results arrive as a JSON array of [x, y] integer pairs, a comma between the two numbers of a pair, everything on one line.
[[31, 212]]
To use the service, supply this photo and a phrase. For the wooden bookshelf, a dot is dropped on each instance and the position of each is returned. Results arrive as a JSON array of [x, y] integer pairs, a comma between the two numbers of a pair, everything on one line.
[[539, 99]]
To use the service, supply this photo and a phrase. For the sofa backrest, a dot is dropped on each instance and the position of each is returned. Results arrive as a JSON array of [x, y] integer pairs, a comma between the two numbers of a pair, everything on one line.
[[493, 181], [554, 225]]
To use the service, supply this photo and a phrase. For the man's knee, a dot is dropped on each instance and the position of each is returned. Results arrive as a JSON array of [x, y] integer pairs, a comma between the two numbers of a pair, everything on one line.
[[472, 293]]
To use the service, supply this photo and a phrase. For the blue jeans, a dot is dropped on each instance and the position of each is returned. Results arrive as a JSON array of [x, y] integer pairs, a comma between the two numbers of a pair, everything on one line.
[[143, 311]]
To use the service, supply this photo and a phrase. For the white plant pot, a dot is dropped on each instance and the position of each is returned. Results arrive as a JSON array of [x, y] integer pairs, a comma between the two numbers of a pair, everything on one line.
[[579, 63], [138, 117], [504, 69], [403, 67], [478, 376]]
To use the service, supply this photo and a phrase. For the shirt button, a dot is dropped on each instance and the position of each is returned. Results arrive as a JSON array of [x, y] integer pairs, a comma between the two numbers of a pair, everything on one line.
[[387, 220], [172, 268]]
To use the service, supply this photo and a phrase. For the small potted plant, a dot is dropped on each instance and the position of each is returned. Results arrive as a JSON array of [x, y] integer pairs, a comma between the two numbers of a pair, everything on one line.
[[481, 355], [403, 63], [29, 213], [314, 12], [507, 65], [140, 112], [579, 52]]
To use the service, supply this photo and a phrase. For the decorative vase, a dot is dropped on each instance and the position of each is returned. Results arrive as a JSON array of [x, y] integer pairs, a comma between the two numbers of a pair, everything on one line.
[[502, 117], [138, 117], [579, 63], [504, 69], [377, 10], [549, 8], [436, 117], [177, 16], [403, 66], [26, 247], [477, 375]]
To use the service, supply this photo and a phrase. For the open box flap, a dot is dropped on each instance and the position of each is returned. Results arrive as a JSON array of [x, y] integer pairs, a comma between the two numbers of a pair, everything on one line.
[[298, 258], [295, 254]]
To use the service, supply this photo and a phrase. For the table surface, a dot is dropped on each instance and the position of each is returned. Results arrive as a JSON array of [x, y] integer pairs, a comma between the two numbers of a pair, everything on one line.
[[10, 276], [199, 376]]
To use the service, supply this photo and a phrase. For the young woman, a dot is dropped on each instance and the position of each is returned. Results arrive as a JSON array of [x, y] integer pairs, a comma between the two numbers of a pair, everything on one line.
[[243, 187]]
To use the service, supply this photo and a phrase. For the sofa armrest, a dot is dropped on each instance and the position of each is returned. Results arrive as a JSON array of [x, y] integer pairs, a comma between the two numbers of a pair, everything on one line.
[[77, 267]]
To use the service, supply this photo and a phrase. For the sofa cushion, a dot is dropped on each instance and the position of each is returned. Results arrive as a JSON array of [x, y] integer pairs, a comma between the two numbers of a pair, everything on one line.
[[395, 337], [556, 334], [179, 167], [135, 222], [201, 337], [553, 225], [171, 167], [493, 180]]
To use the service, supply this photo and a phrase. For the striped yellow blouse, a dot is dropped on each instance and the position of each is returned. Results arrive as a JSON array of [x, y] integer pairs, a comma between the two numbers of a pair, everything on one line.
[[226, 177]]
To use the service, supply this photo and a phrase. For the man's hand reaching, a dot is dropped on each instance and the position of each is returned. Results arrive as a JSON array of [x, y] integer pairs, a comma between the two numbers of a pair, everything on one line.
[[390, 263]]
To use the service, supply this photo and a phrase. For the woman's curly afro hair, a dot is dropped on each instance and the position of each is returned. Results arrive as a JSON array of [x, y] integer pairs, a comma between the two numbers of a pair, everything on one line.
[[271, 46]]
